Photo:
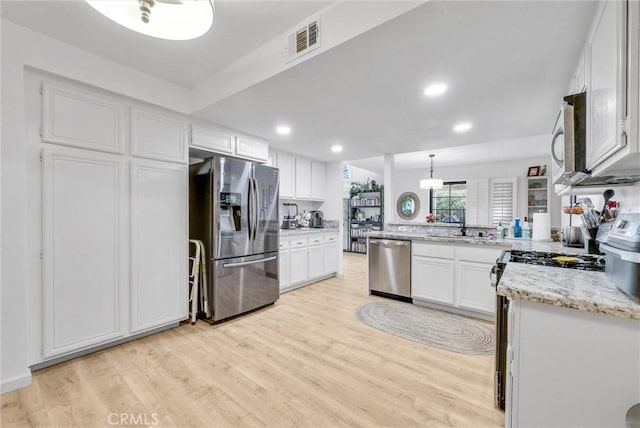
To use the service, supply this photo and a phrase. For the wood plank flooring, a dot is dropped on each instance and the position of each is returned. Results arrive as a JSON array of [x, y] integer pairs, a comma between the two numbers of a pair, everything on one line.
[[304, 362]]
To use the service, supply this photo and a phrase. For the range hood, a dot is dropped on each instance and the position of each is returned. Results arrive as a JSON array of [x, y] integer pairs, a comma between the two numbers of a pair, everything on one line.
[[591, 185]]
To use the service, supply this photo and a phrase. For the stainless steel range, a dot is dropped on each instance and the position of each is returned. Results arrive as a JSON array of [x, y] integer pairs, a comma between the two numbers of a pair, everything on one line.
[[580, 261]]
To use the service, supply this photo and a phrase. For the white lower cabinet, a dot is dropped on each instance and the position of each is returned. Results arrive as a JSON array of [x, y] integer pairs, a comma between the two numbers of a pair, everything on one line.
[[432, 279], [307, 259], [158, 248], [570, 368], [84, 263], [454, 275]]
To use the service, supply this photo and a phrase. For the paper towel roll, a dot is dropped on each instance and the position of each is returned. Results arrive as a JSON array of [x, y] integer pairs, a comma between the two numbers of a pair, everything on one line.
[[541, 227]]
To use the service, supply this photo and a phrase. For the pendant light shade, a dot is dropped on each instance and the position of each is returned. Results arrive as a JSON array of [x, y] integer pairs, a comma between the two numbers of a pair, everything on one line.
[[163, 19], [431, 183]]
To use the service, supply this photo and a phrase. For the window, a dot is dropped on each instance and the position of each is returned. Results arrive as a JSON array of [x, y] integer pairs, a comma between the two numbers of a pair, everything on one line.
[[449, 203], [503, 200]]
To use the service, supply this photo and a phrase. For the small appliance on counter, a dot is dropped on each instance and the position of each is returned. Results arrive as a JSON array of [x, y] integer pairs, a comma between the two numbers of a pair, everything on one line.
[[571, 236], [622, 251], [290, 213], [316, 219]]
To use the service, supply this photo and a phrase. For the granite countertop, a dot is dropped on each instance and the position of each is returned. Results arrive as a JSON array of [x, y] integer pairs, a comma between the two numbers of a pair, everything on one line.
[[417, 236], [570, 288], [307, 231]]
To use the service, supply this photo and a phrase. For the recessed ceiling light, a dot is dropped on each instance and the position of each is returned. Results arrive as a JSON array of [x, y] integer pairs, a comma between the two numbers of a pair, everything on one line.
[[435, 89], [283, 130], [336, 148], [170, 20], [462, 127]]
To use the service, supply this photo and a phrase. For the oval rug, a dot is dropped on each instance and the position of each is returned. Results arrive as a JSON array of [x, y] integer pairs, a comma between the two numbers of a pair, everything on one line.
[[431, 327]]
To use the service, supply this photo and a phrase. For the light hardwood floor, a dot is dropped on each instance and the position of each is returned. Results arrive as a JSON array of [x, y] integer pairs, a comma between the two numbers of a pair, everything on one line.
[[305, 361]]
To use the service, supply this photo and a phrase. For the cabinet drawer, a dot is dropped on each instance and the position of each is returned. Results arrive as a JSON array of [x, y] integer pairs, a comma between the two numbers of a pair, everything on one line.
[[330, 238], [432, 250], [298, 243], [284, 245], [479, 255], [316, 240]]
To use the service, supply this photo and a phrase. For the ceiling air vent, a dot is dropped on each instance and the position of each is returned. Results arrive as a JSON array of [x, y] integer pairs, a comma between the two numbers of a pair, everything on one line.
[[305, 39]]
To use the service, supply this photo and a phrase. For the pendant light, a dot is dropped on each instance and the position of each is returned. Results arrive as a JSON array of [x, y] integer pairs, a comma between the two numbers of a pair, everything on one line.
[[163, 19], [431, 183]]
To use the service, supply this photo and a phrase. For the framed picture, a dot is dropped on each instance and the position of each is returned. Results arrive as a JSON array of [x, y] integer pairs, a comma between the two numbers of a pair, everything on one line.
[[533, 171]]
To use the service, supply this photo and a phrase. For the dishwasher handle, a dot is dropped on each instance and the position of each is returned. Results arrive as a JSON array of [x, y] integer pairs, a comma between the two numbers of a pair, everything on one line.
[[389, 242]]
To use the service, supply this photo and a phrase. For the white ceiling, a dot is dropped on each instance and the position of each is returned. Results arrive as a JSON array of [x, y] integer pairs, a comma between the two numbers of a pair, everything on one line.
[[507, 64], [239, 27]]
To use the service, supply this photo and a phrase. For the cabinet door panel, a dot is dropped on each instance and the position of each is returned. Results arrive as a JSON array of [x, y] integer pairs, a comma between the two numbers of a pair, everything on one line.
[[283, 269], [208, 139], [298, 265], [287, 167], [474, 290], [432, 279], [83, 227], [318, 178], [316, 265], [156, 135], [82, 119], [303, 178], [158, 244], [330, 258], [606, 87], [256, 150]]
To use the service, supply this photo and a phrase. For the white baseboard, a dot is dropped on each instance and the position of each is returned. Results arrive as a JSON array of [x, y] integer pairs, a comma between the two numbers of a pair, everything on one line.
[[14, 383]]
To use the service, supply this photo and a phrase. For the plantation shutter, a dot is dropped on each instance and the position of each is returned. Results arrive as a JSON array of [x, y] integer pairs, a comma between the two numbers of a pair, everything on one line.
[[503, 200]]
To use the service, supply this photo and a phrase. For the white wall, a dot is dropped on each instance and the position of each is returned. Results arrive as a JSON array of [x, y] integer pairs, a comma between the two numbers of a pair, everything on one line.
[[362, 175], [24, 48], [408, 181]]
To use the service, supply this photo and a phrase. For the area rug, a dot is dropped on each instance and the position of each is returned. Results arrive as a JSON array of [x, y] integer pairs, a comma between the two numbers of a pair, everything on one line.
[[431, 327]]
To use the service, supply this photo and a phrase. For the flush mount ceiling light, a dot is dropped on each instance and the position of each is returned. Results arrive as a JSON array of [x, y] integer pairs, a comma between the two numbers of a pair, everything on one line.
[[435, 89], [283, 130], [164, 19], [336, 148], [431, 183], [462, 127]]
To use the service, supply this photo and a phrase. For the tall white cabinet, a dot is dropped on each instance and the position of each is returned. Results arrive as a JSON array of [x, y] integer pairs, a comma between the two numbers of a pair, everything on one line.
[[158, 230], [114, 218], [84, 251]]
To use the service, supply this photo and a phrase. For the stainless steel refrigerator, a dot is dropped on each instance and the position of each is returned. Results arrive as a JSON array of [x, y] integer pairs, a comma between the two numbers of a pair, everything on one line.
[[233, 210]]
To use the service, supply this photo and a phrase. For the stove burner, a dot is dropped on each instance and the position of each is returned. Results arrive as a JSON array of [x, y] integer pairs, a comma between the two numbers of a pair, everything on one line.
[[579, 261]]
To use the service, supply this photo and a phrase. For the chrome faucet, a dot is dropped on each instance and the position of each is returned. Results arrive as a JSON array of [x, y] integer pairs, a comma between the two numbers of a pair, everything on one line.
[[463, 226]]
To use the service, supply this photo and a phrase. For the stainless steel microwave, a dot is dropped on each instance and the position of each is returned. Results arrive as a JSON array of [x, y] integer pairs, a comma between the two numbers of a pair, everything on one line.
[[569, 142]]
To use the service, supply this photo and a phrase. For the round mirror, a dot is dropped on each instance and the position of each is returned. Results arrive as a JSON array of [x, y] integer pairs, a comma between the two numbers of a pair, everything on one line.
[[408, 206]]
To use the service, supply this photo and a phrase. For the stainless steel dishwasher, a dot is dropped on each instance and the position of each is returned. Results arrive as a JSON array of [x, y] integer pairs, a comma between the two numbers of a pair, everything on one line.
[[390, 268]]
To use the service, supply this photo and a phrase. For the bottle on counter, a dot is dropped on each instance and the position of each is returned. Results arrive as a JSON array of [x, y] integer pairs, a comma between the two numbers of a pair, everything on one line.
[[510, 232], [500, 231], [517, 230], [526, 229]]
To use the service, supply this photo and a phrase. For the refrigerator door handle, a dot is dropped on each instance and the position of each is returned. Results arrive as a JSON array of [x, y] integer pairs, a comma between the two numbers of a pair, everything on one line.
[[254, 209], [252, 262], [250, 203], [256, 212]]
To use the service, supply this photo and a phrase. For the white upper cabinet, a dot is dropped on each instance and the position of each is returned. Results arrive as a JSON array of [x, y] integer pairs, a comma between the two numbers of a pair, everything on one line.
[[303, 178], [251, 149], [80, 118], [84, 250], [287, 166], [612, 89], [579, 78], [318, 177], [158, 135], [211, 140], [158, 244]]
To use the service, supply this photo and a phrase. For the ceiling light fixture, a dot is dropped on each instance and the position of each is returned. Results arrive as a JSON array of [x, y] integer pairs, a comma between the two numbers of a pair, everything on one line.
[[462, 127], [336, 148], [431, 183], [435, 89], [283, 130], [164, 19]]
